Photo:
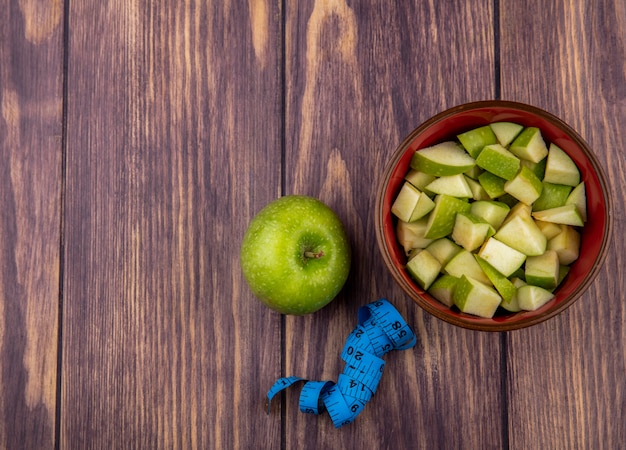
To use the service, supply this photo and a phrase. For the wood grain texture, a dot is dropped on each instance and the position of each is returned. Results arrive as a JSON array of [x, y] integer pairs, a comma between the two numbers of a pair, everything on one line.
[[173, 144], [359, 78], [566, 379], [31, 70]]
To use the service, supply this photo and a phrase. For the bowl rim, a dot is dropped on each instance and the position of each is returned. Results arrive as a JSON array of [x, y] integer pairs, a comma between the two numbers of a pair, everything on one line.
[[472, 322]]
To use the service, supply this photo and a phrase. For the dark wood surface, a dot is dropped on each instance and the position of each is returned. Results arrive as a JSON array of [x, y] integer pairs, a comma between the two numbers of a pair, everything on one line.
[[138, 139]]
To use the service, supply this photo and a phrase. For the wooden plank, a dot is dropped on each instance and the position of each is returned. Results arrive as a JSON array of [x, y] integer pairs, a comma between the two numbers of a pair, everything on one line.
[[359, 78], [566, 377], [173, 144], [31, 99]]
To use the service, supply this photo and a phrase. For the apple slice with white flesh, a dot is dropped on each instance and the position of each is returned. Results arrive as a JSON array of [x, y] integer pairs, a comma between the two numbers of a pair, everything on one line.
[[566, 244], [478, 192], [506, 132], [560, 168], [441, 218], [473, 297], [453, 185], [523, 234], [443, 159], [529, 144], [567, 214], [499, 161], [530, 298], [492, 211], [411, 204], [424, 268], [411, 235], [443, 250], [543, 270], [552, 196], [443, 289], [475, 140], [503, 258], [538, 168], [470, 231], [419, 180], [513, 304], [492, 184], [525, 186], [578, 197], [549, 229], [464, 263], [502, 284]]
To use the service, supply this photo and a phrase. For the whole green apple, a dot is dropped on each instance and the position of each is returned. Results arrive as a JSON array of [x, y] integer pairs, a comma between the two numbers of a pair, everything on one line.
[[295, 255]]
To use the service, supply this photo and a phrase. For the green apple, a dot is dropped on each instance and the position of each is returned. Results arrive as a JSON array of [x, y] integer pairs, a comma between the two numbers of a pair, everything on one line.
[[499, 161], [424, 268], [411, 234], [552, 195], [529, 144], [567, 214], [502, 284], [473, 297], [579, 198], [525, 186], [443, 289], [474, 140], [453, 185], [560, 168], [295, 255], [543, 270], [530, 298], [566, 244], [492, 211], [492, 184], [502, 257], [470, 231], [506, 131], [441, 218], [443, 159], [443, 250]]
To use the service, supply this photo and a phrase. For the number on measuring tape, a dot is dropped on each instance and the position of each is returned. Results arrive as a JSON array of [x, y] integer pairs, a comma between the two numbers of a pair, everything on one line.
[[380, 329]]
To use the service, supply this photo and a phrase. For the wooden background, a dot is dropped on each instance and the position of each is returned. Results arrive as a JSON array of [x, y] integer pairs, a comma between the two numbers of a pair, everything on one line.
[[138, 139]]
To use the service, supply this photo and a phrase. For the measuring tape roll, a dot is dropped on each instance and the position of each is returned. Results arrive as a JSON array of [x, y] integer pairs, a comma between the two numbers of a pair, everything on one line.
[[380, 329]]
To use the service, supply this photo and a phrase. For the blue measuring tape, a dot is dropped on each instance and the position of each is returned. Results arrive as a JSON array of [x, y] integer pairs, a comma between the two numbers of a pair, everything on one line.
[[380, 329]]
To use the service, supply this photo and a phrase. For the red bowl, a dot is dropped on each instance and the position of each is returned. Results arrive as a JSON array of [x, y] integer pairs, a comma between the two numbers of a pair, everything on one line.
[[446, 125]]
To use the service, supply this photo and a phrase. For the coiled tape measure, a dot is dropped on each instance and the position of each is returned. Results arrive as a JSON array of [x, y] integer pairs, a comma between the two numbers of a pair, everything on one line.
[[380, 329]]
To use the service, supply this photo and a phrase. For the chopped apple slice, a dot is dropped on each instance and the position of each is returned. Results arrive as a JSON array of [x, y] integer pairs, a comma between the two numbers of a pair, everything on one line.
[[552, 195], [499, 161], [502, 284], [525, 186], [566, 244], [464, 263], [549, 229], [443, 159], [492, 211], [560, 168], [475, 140], [579, 198], [441, 218], [453, 185], [529, 144], [506, 132], [473, 297], [567, 214], [424, 268], [522, 234], [411, 235], [513, 304], [503, 258], [531, 297], [411, 204], [543, 270], [470, 231], [443, 289], [478, 192], [443, 250], [492, 184], [538, 168], [419, 180]]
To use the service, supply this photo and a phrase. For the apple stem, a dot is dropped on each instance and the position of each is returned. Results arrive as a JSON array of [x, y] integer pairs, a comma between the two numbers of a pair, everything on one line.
[[313, 255]]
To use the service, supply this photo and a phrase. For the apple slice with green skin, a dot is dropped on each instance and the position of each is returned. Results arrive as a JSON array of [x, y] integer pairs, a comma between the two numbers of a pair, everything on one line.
[[475, 140], [441, 218], [502, 284], [419, 180], [525, 186], [411, 204], [567, 214], [492, 211], [411, 235], [474, 172], [538, 168], [443, 250], [478, 192], [529, 144], [549, 229], [543, 270], [506, 132], [513, 304], [566, 244], [530, 298], [443, 289], [492, 184], [453, 185], [499, 161], [464, 263], [424, 268], [560, 168], [473, 297], [522, 234], [470, 231], [578, 197], [443, 159], [503, 258], [552, 195]]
